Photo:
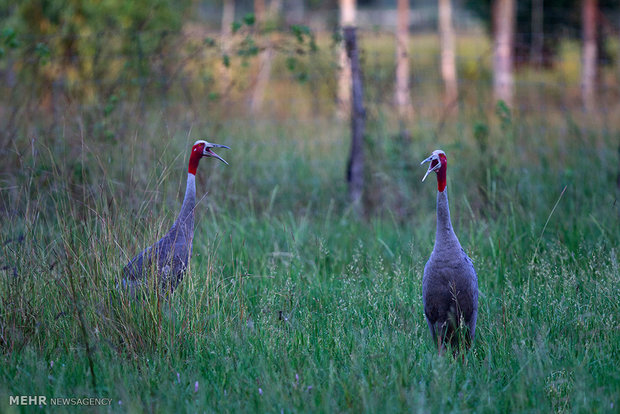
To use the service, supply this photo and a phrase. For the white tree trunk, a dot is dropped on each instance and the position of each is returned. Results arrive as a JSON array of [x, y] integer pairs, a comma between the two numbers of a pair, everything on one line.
[[347, 18], [590, 52], [402, 96], [503, 50], [448, 56]]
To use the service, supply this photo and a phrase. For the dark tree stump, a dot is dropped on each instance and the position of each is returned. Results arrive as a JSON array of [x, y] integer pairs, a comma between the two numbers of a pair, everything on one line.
[[355, 168]]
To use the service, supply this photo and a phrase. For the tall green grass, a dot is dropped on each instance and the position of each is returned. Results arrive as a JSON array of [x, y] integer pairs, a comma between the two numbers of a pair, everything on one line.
[[294, 304]]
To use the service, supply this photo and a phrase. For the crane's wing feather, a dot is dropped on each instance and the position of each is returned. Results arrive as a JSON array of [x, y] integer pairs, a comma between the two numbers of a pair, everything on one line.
[[449, 292], [167, 259]]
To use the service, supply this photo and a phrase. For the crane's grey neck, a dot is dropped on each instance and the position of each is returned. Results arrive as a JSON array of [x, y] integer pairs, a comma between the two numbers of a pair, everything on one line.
[[445, 236], [186, 217]]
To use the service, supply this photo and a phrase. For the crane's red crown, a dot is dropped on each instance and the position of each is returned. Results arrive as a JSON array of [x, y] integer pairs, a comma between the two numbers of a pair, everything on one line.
[[201, 149], [439, 164]]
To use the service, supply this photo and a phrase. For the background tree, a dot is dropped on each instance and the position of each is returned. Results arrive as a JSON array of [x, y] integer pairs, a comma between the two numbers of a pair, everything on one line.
[[402, 96], [448, 63], [537, 33], [543, 24], [228, 17], [355, 167], [266, 22], [259, 11], [83, 35], [503, 50], [589, 54], [347, 18]]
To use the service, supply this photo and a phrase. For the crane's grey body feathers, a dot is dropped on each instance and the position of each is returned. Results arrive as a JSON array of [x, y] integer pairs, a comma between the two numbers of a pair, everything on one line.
[[450, 283], [166, 260]]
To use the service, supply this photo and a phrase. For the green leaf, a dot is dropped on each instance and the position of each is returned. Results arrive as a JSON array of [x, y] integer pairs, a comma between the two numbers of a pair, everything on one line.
[[299, 31], [42, 51], [226, 60], [111, 105], [291, 62], [313, 46], [502, 110], [236, 26], [249, 19], [10, 38], [209, 42], [336, 37], [481, 134], [302, 77], [248, 47]]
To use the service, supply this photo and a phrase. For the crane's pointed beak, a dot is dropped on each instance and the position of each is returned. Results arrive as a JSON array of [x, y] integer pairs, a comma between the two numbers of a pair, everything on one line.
[[431, 168], [209, 153]]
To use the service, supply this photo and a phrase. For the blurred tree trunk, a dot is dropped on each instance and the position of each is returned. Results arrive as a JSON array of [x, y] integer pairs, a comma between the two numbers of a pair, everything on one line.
[[355, 167], [589, 57], [275, 6], [265, 57], [228, 17], [538, 36], [402, 96], [448, 60], [259, 11], [295, 11], [503, 50], [343, 100]]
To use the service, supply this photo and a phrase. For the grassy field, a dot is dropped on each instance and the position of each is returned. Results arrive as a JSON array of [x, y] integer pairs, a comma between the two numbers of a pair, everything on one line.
[[292, 303]]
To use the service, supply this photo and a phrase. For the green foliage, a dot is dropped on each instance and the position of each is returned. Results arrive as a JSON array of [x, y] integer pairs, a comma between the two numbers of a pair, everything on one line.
[[303, 33], [42, 52], [302, 77], [210, 42], [504, 114], [481, 135], [71, 33], [290, 303], [291, 63], [9, 38], [111, 105], [226, 60], [300, 31], [88, 50], [248, 47], [249, 19]]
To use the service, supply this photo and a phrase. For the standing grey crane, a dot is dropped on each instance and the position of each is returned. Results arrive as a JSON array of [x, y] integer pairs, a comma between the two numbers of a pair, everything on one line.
[[450, 284], [168, 258]]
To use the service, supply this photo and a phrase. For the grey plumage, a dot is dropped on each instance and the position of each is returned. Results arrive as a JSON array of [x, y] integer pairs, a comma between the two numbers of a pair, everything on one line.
[[168, 258], [450, 283], [164, 263]]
